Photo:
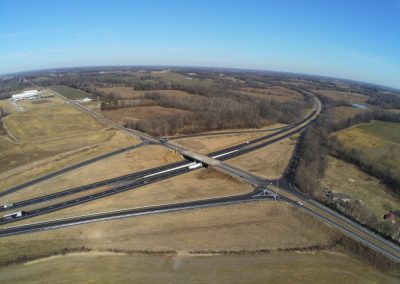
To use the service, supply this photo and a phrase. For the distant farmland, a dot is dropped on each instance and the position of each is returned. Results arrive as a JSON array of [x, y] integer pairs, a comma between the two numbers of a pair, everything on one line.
[[70, 93]]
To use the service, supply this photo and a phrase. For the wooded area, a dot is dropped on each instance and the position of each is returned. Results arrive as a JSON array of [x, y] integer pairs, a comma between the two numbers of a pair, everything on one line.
[[318, 144], [208, 109]]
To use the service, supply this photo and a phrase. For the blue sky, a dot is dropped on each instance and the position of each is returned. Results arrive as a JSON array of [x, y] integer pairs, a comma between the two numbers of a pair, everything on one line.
[[353, 39]]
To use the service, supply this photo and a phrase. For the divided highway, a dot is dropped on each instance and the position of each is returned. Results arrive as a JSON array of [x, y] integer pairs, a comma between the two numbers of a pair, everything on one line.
[[220, 155], [70, 168], [91, 186], [225, 133], [40, 226], [149, 178], [317, 210], [135, 180]]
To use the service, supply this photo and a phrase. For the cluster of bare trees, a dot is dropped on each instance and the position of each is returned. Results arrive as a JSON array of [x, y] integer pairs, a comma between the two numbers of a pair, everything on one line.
[[383, 171], [314, 154], [213, 113], [385, 101], [368, 255], [10, 85], [356, 210], [318, 144], [365, 117]]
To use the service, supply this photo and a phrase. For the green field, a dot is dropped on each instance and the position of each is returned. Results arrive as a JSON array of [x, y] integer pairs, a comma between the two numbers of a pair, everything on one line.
[[386, 130], [377, 143], [70, 93], [172, 77]]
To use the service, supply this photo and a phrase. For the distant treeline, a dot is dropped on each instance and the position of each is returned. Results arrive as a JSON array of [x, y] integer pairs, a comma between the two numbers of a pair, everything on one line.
[[365, 117], [9, 86]]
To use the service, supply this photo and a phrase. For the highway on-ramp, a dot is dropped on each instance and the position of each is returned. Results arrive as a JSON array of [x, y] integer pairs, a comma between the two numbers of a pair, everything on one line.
[[53, 224], [212, 159], [317, 210], [70, 168]]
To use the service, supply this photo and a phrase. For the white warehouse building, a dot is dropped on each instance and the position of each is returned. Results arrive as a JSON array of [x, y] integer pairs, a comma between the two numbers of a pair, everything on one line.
[[31, 94]]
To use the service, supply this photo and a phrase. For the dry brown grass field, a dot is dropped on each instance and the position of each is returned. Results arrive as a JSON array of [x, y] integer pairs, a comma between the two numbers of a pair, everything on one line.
[[130, 93], [7, 106], [351, 97], [122, 92], [269, 162], [343, 113], [200, 184], [280, 94], [137, 113], [45, 134], [280, 267], [255, 226], [206, 144], [346, 178], [133, 161], [28, 171]]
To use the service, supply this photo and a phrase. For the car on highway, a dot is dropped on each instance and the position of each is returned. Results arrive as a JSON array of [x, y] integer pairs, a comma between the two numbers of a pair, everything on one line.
[[8, 205], [299, 203]]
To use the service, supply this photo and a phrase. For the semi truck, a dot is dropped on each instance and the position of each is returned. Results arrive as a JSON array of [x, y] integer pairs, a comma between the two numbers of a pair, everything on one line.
[[195, 166], [15, 215]]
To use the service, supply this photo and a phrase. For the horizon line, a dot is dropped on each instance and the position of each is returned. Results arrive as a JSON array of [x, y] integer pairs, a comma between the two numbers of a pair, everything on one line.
[[204, 67]]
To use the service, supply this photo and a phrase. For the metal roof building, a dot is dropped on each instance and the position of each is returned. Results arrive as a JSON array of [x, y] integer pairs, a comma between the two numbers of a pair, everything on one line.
[[25, 95]]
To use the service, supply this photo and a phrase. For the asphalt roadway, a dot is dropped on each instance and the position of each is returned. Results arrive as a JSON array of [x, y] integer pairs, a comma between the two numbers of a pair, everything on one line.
[[224, 133], [319, 211], [146, 139], [40, 226], [91, 186], [225, 154], [137, 179], [70, 168]]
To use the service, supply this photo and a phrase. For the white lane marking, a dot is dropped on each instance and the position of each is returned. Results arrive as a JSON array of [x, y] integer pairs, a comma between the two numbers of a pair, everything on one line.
[[224, 154], [166, 171]]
